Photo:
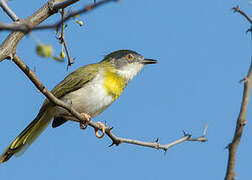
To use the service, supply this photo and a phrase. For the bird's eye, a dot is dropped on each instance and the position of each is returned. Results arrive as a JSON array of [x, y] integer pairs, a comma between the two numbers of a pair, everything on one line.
[[130, 57]]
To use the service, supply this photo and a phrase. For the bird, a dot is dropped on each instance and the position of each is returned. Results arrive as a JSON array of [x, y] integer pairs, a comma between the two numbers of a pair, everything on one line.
[[90, 90]]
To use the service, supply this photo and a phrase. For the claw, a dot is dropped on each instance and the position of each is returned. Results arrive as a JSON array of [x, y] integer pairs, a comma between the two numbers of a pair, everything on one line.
[[84, 125], [102, 127]]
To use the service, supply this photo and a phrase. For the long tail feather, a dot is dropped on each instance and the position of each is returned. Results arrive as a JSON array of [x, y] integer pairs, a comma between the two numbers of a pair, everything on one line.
[[28, 135]]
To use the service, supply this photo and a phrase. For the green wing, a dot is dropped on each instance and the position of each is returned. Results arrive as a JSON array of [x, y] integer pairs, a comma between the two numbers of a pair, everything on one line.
[[74, 81]]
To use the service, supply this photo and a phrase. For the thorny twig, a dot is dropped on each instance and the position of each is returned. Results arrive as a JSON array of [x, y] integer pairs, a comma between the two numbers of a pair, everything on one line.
[[241, 120]]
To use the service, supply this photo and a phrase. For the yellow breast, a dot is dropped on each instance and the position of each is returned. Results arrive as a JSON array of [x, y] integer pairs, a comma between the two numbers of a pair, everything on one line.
[[114, 84]]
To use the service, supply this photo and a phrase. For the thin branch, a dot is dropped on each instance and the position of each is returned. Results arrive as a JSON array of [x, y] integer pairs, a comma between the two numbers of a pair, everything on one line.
[[64, 4], [24, 27], [118, 140], [8, 10], [21, 27], [237, 9], [241, 121], [115, 140], [155, 144], [62, 38]]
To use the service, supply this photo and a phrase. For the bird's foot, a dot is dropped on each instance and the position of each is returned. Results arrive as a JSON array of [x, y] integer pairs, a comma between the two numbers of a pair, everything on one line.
[[84, 125], [101, 128]]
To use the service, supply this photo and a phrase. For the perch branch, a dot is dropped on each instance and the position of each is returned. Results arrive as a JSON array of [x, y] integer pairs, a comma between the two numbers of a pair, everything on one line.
[[118, 140], [241, 121], [25, 27], [115, 140], [8, 11]]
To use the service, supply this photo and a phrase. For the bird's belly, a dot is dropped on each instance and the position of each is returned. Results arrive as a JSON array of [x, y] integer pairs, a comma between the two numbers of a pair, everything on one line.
[[92, 99]]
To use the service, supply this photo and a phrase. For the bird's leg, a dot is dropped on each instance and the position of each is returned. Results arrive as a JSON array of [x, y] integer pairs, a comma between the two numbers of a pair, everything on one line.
[[100, 125], [102, 129], [83, 124]]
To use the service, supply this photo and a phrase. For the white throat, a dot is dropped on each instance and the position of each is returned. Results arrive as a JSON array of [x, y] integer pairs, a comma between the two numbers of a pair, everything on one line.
[[129, 71]]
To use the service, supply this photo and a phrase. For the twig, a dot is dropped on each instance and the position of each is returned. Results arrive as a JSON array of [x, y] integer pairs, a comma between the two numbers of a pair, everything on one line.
[[62, 38], [241, 121], [118, 140], [24, 27], [8, 10], [237, 9], [115, 140], [8, 47]]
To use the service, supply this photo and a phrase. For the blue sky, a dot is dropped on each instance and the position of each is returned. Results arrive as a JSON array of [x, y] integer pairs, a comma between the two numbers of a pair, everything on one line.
[[203, 52]]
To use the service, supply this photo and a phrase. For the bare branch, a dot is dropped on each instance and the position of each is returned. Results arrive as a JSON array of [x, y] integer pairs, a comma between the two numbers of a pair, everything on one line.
[[62, 38], [237, 9], [26, 27], [8, 10], [118, 140], [64, 4], [241, 121], [156, 145], [21, 27], [115, 140]]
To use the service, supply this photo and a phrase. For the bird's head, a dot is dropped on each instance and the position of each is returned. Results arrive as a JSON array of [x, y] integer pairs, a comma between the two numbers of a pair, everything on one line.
[[127, 62]]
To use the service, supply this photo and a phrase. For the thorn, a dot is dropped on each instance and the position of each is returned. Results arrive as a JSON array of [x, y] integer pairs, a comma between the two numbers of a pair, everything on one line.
[[249, 30], [108, 129], [236, 9], [187, 134], [111, 144], [244, 80], [243, 123], [228, 146], [184, 132], [205, 130], [115, 142], [73, 60], [165, 151]]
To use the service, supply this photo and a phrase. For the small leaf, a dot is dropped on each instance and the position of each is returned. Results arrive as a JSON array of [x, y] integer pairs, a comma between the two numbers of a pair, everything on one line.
[[79, 22], [58, 59]]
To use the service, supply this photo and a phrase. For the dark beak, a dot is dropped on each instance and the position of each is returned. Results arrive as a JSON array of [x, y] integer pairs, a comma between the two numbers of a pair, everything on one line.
[[150, 61]]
